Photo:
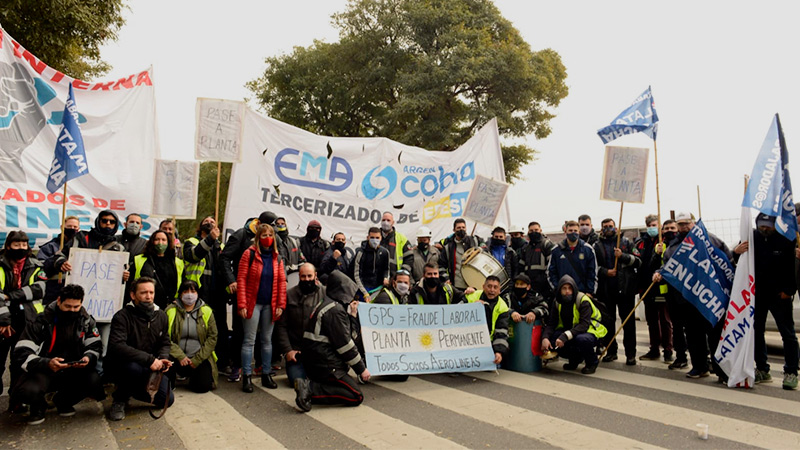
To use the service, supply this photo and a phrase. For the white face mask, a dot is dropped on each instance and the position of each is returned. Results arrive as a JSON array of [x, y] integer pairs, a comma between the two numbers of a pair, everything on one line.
[[585, 229], [374, 242], [402, 288], [189, 298], [386, 225]]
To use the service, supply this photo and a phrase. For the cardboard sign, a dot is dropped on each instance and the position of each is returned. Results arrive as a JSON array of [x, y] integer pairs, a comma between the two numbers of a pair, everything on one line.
[[218, 136], [485, 200], [100, 275], [175, 193], [624, 174]]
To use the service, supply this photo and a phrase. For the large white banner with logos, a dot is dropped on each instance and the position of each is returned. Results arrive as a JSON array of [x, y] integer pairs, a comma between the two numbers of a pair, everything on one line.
[[118, 124], [348, 183]]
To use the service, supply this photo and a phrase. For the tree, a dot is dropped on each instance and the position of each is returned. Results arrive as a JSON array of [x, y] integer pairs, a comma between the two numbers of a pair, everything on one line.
[[206, 198], [65, 34], [427, 73]]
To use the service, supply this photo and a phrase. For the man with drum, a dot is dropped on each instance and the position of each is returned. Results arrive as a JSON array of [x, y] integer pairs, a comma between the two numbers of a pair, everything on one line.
[[502, 252], [452, 254]]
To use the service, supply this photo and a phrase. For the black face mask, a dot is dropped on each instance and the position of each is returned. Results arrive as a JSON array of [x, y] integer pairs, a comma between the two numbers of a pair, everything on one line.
[[535, 236], [682, 235], [68, 316], [430, 283], [461, 234], [669, 236], [498, 242], [69, 233], [148, 309], [312, 233], [107, 231], [307, 286], [207, 227], [338, 246], [283, 234], [15, 254], [520, 292], [422, 246], [517, 243]]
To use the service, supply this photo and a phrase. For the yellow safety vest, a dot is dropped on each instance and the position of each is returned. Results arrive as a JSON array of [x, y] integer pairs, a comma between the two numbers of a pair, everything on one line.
[[205, 310], [499, 308], [37, 304], [399, 242], [448, 294], [138, 263], [595, 327]]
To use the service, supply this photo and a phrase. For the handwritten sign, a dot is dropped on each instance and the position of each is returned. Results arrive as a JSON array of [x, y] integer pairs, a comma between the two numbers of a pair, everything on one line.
[[485, 200], [624, 174], [175, 191], [417, 339], [218, 135], [100, 276]]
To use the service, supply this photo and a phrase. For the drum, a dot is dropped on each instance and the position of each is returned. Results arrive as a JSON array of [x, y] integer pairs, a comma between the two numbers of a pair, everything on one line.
[[477, 265]]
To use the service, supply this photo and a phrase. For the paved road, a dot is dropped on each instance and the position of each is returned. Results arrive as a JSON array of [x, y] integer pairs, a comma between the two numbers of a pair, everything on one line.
[[645, 406]]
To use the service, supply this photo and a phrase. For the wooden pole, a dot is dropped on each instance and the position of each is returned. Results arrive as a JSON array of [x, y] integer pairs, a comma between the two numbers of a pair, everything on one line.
[[216, 207], [699, 210], [658, 193], [619, 329], [619, 232], [63, 215]]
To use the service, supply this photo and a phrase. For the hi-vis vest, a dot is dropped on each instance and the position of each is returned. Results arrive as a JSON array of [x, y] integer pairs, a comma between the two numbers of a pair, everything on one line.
[[395, 300], [194, 271], [37, 304], [448, 294], [595, 327], [138, 263], [499, 308], [399, 242], [205, 310]]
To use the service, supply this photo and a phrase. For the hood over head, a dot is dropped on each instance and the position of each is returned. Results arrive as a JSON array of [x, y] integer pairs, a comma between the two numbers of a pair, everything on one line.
[[566, 279], [341, 288]]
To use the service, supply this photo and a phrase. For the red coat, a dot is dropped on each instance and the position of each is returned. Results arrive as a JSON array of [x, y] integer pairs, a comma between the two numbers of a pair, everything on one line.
[[249, 279]]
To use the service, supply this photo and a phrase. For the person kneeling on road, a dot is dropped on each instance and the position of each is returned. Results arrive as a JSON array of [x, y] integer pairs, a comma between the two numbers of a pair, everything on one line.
[[57, 353], [576, 343], [329, 349]]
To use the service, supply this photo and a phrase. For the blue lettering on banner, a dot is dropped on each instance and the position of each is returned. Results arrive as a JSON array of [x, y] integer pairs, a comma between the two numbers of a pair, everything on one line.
[[334, 174], [428, 181]]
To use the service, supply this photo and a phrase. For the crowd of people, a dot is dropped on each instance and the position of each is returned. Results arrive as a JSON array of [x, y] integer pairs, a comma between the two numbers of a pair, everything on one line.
[[294, 300]]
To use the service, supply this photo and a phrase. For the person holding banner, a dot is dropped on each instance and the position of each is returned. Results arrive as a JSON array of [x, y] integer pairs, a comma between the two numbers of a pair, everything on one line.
[[775, 289], [396, 293], [48, 250], [160, 263], [576, 310], [431, 291], [58, 353], [100, 237], [400, 254], [22, 287], [131, 237], [371, 265], [496, 315], [534, 258], [260, 299]]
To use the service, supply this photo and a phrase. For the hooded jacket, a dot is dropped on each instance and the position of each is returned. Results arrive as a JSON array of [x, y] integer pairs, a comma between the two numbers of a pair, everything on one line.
[[92, 239], [237, 243], [561, 323], [370, 267], [329, 347], [19, 306]]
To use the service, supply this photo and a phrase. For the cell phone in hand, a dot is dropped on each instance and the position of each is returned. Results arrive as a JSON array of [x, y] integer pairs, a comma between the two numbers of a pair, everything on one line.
[[72, 363]]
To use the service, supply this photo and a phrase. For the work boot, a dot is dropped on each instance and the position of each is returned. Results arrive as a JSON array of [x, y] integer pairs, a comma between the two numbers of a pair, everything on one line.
[[630, 361], [268, 382], [303, 398], [679, 363], [652, 355], [117, 411], [763, 376], [668, 358], [570, 366], [609, 358], [589, 369], [247, 383], [790, 381]]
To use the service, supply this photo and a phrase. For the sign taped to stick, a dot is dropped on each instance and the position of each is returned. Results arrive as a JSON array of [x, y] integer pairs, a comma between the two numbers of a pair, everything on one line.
[[100, 276], [175, 193], [624, 174], [485, 200], [218, 136], [418, 339]]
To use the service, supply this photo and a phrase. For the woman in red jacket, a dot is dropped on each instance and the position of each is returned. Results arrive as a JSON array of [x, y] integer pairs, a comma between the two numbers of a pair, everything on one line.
[[261, 298]]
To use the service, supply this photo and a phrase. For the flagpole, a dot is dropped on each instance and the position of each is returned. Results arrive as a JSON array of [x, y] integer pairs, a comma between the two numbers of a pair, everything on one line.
[[216, 208], [658, 193], [619, 232], [63, 214], [619, 328]]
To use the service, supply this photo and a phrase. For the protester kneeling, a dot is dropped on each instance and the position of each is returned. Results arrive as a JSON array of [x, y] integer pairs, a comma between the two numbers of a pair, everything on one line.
[[58, 353], [193, 335], [138, 347], [578, 342]]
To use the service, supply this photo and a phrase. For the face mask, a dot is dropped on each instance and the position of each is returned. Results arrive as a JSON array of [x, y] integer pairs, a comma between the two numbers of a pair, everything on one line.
[[461, 234], [312, 233], [386, 225], [422, 246], [148, 308], [520, 292], [338, 246], [133, 228], [609, 231], [585, 229], [206, 227], [266, 242], [374, 242], [517, 243], [535, 236], [498, 242], [16, 254], [430, 283], [401, 288], [161, 248], [69, 233], [280, 228], [682, 235], [572, 237], [307, 286], [652, 231], [68, 316], [189, 298], [669, 236], [107, 231]]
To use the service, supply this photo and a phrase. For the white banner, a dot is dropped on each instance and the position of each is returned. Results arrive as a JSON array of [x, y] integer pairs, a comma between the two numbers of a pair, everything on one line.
[[485, 201], [348, 183], [100, 276], [624, 174], [118, 124], [175, 190], [219, 130]]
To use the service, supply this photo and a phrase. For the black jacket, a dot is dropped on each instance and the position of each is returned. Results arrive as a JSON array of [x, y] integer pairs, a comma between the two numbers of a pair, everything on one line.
[[314, 250], [229, 257], [419, 295], [17, 305], [644, 249], [532, 260], [294, 320], [532, 302], [207, 249], [343, 263], [370, 267], [563, 309], [329, 347], [774, 265], [510, 262], [626, 281], [447, 257], [132, 244], [45, 339], [137, 338]]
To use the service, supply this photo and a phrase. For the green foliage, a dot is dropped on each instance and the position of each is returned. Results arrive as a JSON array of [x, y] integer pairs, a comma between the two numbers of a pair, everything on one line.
[[427, 73], [206, 198], [65, 34]]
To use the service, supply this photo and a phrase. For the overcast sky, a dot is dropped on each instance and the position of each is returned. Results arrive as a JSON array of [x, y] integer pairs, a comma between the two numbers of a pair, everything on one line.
[[718, 73]]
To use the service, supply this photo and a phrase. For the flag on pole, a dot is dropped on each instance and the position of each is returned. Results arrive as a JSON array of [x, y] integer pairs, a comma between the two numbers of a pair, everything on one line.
[[69, 161], [770, 188], [640, 117], [735, 353]]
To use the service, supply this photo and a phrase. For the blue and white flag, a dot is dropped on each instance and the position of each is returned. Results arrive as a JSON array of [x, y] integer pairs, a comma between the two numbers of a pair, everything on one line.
[[770, 188], [640, 117], [701, 273], [70, 155]]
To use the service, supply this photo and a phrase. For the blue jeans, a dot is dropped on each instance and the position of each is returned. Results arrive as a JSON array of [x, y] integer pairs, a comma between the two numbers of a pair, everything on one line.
[[295, 370], [261, 318]]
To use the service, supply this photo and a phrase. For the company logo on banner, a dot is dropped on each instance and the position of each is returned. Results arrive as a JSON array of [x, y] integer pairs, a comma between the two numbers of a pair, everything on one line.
[[117, 122], [417, 339], [348, 183]]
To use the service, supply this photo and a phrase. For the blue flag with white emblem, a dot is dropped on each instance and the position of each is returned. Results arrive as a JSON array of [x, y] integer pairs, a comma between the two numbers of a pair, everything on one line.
[[69, 161], [770, 188], [702, 273], [640, 117]]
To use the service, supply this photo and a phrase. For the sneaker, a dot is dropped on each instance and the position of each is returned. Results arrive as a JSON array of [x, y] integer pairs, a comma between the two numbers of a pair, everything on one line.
[[763, 376], [668, 358], [697, 373], [790, 381], [679, 364], [117, 411], [236, 375], [589, 369], [570, 366], [609, 358], [652, 355], [224, 370], [630, 361], [303, 398], [66, 411], [37, 416]]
